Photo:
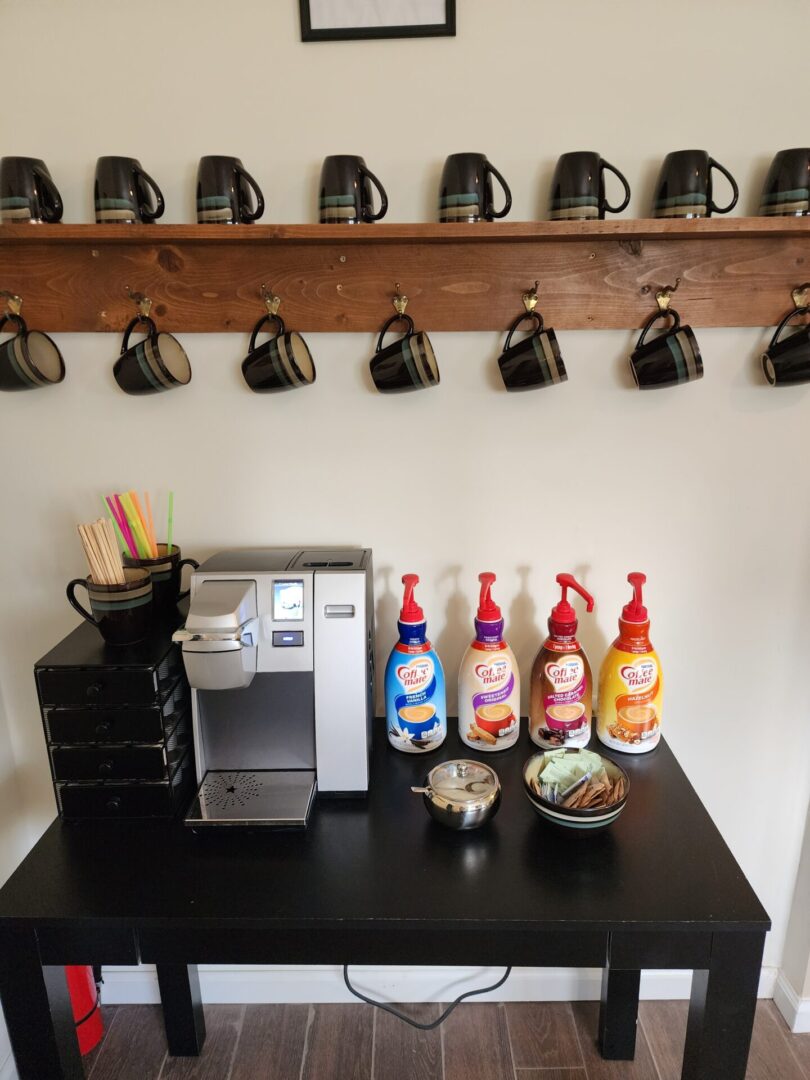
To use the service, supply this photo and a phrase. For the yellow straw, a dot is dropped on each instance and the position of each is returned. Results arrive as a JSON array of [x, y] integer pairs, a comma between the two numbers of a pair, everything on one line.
[[144, 547], [151, 524]]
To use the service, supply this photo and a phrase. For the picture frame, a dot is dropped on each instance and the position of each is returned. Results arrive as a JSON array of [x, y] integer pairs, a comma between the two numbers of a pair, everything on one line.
[[338, 20]]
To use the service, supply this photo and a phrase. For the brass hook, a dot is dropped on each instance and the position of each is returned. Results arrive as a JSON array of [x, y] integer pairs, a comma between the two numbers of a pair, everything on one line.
[[271, 301], [530, 299], [800, 295], [664, 295], [13, 302], [142, 303], [400, 301]]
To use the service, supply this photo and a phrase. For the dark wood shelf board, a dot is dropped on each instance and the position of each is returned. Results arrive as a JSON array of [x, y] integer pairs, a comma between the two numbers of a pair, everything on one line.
[[596, 275]]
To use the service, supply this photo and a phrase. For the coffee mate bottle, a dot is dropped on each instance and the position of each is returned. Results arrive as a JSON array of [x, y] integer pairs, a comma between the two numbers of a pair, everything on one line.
[[631, 684], [415, 700], [488, 681], [561, 693]]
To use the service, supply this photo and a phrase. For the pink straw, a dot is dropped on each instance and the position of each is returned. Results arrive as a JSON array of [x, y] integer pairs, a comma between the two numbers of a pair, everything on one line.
[[123, 524]]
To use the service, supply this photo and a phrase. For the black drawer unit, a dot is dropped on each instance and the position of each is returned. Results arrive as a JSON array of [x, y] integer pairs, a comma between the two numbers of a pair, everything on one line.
[[117, 723]]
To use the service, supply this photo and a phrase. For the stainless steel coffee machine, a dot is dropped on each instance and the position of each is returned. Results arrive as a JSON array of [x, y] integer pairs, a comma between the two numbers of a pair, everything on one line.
[[278, 647]]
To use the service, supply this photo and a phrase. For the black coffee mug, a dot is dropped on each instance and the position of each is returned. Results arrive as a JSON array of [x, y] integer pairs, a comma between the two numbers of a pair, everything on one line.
[[787, 362], [157, 363], [122, 614], [30, 359], [407, 364], [669, 359], [535, 361], [124, 193], [164, 573], [578, 188], [282, 363], [345, 195], [223, 192], [465, 191], [786, 192], [27, 192], [684, 188]]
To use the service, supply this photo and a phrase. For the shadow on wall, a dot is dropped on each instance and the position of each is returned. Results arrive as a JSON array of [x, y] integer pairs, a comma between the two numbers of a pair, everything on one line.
[[14, 834], [452, 640]]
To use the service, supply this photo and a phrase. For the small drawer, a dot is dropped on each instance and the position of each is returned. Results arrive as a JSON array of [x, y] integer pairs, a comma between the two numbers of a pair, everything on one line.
[[147, 724], [97, 686], [109, 762], [145, 800]]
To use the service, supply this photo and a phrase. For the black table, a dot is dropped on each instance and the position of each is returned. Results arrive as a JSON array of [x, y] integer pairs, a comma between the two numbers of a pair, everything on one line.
[[378, 882]]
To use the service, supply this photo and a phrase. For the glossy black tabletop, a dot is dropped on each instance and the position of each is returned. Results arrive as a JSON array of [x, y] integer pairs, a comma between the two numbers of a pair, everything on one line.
[[663, 865]]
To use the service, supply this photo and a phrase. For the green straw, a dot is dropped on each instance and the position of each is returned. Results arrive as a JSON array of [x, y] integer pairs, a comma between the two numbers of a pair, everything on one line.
[[121, 541], [171, 523]]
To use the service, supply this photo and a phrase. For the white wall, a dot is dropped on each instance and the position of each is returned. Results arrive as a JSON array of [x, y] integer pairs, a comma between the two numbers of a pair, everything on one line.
[[703, 487]]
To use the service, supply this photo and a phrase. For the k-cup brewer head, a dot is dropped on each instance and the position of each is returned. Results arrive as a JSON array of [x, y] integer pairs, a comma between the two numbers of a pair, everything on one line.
[[220, 638]]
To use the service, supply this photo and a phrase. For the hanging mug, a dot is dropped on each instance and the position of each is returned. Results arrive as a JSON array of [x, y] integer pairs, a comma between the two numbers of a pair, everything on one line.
[[668, 360], [407, 364], [153, 365], [535, 361], [282, 363], [787, 362], [30, 359]]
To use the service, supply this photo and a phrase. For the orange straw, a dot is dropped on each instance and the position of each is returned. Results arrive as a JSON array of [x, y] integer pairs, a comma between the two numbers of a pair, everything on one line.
[[134, 496], [151, 523]]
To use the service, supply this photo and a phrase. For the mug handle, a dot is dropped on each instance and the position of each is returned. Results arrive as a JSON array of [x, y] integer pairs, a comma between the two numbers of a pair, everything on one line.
[[20, 321], [55, 209], [180, 565], [676, 323], [736, 191], [380, 190], [394, 319], [151, 329], [507, 206], [538, 318], [151, 215], [623, 205], [780, 327], [264, 319], [244, 213], [74, 603]]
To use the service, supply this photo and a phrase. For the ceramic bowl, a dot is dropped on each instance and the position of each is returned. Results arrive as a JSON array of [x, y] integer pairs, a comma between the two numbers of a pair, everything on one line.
[[584, 822]]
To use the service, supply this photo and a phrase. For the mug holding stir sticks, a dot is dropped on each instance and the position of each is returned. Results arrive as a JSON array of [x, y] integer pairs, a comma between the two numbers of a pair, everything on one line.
[[120, 598]]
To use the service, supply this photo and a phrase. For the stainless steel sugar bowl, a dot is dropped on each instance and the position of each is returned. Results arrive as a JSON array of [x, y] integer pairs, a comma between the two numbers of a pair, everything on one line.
[[461, 794]]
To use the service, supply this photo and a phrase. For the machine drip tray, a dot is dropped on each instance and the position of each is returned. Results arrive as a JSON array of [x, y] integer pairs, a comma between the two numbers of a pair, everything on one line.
[[264, 797]]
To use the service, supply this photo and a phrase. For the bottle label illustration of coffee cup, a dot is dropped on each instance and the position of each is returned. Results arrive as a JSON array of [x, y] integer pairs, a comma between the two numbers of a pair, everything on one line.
[[566, 704], [633, 707]]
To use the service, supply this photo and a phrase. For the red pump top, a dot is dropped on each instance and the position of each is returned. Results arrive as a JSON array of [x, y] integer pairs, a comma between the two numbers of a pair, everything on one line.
[[410, 612], [563, 620], [635, 612], [488, 610]]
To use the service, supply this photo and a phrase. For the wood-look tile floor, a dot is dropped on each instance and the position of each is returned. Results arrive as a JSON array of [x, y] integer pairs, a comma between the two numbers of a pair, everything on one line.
[[478, 1042]]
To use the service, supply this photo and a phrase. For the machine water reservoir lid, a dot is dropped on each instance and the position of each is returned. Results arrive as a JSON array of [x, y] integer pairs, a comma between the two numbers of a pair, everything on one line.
[[331, 559]]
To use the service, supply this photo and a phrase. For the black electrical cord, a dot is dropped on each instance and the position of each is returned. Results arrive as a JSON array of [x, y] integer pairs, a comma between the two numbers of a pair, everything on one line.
[[415, 1023]]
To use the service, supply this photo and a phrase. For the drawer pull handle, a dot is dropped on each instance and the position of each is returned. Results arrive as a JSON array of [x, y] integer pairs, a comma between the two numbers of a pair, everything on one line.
[[105, 768], [103, 728], [94, 689], [114, 803]]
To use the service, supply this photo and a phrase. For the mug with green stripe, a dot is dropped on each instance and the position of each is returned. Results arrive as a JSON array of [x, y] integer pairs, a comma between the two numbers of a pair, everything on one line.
[[124, 193], [535, 361], [407, 364], [282, 363], [30, 359], [153, 365], [668, 360], [786, 192], [122, 614], [685, 186]]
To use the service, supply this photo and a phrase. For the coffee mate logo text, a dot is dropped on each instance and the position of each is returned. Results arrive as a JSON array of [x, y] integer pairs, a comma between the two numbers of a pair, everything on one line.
[[416, 674], [494, 674], [566, 673], [639, 676]]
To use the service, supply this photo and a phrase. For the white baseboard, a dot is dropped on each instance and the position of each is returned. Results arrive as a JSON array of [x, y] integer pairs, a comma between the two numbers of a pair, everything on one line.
[[260, 984], [796, 1010]]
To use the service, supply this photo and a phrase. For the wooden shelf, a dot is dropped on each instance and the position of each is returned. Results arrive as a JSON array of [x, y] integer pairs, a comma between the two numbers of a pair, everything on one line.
[[596, 275]]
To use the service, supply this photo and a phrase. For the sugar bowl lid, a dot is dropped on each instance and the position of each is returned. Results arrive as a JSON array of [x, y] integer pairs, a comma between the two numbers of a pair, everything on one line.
[[470, 784]]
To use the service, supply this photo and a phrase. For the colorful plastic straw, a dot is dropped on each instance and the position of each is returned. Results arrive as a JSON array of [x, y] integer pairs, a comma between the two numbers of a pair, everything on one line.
[[170, 528], [119, 517]]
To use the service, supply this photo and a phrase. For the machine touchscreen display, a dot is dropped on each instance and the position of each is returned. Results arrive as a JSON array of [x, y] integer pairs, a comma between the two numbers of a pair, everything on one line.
[[288, 601]]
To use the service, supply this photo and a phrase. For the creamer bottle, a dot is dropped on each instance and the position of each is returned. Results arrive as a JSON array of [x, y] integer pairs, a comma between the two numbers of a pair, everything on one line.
[[561, 692], [631, 684], [415, 699], [488, 681]]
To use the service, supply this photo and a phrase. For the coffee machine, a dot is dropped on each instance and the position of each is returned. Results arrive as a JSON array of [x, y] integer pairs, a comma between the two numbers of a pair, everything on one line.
[[278, 647]]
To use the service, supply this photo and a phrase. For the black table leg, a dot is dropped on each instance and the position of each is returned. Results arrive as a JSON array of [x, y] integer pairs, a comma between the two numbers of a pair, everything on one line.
[[182, 1008], [618, 1013], [722, 1007], [37, 1009]]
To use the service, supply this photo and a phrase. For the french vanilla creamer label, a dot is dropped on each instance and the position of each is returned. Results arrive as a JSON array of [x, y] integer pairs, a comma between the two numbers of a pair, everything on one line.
[[414, 692]]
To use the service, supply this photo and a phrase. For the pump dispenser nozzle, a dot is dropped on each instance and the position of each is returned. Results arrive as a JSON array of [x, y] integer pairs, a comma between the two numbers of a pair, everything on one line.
[[488, 610], [563, 618], [410, 612], [635, 611]]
